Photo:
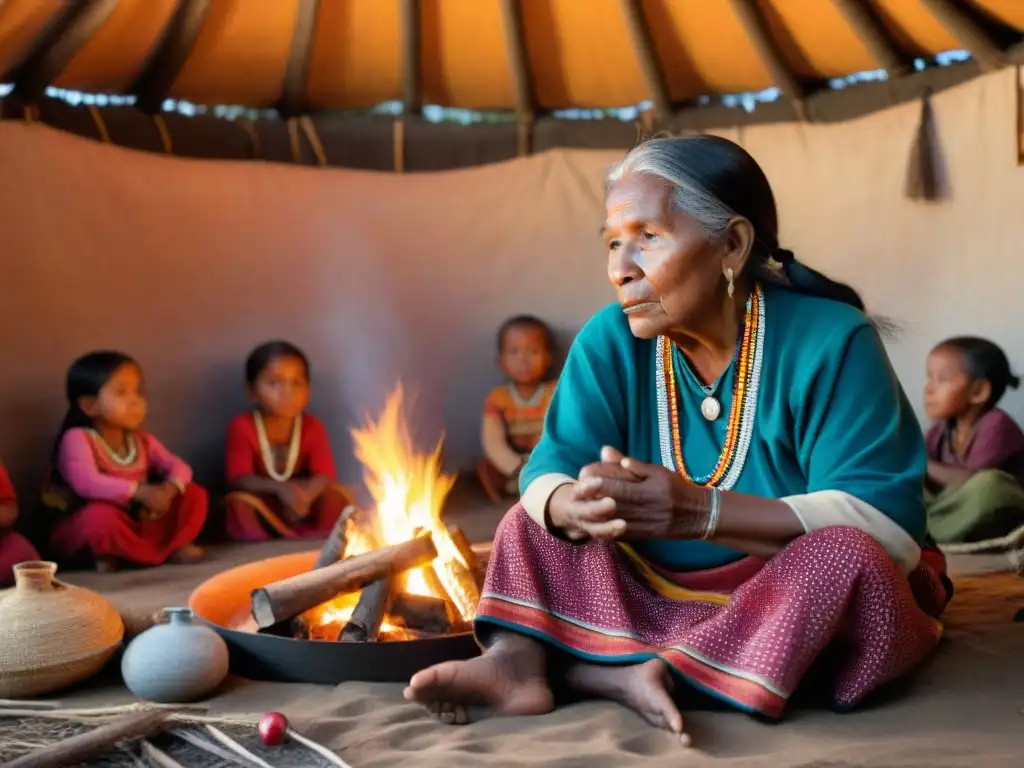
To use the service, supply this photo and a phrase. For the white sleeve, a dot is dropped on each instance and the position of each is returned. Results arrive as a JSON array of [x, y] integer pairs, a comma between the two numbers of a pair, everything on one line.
[[823, 509], [538, 493]]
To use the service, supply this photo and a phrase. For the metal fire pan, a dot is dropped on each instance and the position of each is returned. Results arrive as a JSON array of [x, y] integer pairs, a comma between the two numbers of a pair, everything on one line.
[[223, 602]]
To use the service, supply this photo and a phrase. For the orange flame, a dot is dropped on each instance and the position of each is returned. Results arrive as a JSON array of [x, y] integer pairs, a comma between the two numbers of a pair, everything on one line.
[[409, 490]]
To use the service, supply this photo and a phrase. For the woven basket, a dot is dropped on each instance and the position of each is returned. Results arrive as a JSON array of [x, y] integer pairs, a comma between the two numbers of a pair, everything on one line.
[[52, 634]]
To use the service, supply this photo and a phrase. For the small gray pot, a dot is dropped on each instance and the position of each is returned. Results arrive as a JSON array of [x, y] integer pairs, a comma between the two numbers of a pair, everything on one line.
[[175, 662]]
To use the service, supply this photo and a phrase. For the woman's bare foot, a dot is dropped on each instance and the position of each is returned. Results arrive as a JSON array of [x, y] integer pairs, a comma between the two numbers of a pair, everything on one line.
[[188, 554], [107, 565], [509, 679], [644, 688]]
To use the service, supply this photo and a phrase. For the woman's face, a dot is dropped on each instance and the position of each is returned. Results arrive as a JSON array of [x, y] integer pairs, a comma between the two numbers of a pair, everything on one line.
[[665, 270]]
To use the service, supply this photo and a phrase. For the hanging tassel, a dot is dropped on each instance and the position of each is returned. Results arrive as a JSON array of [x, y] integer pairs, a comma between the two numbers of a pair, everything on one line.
[[923, 182]]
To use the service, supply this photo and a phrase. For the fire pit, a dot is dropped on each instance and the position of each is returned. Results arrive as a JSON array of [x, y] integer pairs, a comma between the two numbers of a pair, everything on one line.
[[391, 591]]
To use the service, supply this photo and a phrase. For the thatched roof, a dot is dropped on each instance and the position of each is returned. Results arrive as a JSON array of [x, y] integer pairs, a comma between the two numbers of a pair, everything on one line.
[[529, 57]]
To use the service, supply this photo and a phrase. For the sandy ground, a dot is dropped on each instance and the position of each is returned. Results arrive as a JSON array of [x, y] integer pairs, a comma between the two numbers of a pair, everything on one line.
[[965, 708]]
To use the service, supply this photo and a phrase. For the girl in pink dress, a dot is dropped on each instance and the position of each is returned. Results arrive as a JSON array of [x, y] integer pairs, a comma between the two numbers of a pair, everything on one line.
[[14, 548], [278, 459], [120, 496]]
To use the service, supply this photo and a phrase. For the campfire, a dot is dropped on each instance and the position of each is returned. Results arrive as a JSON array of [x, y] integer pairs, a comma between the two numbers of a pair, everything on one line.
[[394, 572]]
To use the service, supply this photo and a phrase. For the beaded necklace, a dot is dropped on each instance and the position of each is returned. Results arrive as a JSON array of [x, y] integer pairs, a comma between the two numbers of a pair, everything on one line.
[[267, 452], [741, 415], [125, 459]]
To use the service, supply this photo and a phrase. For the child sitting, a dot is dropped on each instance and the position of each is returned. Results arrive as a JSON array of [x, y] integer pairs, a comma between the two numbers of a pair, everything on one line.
[[14, 548], [514, 413], [975, 450], [278, 460], [120, 496]]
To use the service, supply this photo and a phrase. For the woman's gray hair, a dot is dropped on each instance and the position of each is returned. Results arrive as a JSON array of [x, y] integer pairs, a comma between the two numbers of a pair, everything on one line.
[[715, 180], [659, 157]]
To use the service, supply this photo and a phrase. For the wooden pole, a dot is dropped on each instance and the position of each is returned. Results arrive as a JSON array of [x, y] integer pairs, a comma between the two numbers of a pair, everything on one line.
[[288, 598], [51, 53], [754, 24], [647, 59], [177, 40], [519, 67], [294, 86], [880, 44], [412, 83], [983, 48]]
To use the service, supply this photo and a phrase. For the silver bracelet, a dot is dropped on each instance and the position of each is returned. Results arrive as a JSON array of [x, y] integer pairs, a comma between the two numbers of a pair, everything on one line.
[[716, 508]]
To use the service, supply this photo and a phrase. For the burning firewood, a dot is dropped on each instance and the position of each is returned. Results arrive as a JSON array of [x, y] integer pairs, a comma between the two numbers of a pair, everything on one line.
[[466, 550], [364, 624], [333, 548], [421, 613], [285, 599]]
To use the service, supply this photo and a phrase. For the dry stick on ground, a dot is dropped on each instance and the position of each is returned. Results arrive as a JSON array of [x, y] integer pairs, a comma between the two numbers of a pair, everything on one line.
[[82, 746], [237, 748], [157, 757], [288, 598], [208, 746]]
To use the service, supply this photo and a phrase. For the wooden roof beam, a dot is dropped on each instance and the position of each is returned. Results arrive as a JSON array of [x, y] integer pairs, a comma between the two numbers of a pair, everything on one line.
[[647, 59], [412, 80], [865, 22], [756, 27], [56, 45], [293, 92], [982, 47], [154, 82], [519, 62]]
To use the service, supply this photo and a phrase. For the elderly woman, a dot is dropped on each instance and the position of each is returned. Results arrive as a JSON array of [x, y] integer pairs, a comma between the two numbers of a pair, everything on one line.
[[729, 481]]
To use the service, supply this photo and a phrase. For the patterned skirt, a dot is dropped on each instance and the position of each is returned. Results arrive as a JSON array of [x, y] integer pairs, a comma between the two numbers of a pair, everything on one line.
[[746, 633]]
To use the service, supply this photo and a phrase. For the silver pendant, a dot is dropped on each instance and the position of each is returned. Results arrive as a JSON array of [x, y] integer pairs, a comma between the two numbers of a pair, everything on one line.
[[710, 408]]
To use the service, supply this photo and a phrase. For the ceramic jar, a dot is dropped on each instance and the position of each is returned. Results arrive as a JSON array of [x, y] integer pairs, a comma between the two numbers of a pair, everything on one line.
[[52, 634], [176, 662]]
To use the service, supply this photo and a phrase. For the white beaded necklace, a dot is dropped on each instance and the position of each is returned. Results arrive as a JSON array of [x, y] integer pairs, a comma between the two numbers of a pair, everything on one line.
[[746, 430], [268, 453], [125, 460]]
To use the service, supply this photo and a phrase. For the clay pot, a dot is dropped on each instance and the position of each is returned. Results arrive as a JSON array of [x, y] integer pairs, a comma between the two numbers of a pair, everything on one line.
[[176, 662], [52, 634]]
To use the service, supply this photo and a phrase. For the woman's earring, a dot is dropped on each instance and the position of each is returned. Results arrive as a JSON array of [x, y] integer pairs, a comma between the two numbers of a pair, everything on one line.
[[731, 287]]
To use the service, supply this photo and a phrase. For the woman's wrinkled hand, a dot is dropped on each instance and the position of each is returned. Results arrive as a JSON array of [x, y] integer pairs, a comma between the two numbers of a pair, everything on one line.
[[648, 501]]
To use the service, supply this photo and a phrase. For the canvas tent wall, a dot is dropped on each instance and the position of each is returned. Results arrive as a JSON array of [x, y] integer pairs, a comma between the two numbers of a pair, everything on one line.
[[387, 278]]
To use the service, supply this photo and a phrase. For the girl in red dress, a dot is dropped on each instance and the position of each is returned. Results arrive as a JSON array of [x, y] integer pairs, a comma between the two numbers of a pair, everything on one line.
[[279, 464], [120, 496], [14, 548]]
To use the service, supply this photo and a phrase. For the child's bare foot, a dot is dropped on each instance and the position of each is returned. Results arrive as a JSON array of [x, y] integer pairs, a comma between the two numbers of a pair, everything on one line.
[[644, 688], [188, 554], [107, 565], [509, 679]]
